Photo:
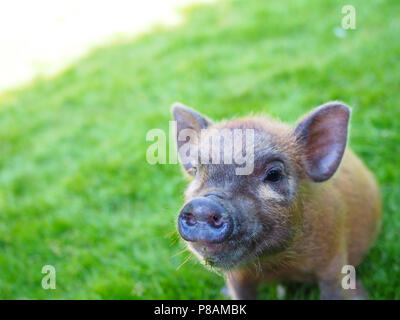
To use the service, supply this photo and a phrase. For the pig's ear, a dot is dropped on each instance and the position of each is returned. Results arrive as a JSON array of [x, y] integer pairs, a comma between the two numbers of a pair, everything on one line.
[[189, 124], [323, 137]]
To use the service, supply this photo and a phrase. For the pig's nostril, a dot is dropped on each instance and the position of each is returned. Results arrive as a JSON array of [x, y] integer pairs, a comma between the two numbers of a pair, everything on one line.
[[217, 221], [190, 219]]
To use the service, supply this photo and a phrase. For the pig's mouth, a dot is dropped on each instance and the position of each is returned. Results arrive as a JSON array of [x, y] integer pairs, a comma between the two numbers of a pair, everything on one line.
[[226, 255], [213, 248], [210, 251], [213, 254]]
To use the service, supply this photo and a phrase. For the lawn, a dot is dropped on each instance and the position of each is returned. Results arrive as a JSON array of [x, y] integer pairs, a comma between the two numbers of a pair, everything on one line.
[[77, 193]]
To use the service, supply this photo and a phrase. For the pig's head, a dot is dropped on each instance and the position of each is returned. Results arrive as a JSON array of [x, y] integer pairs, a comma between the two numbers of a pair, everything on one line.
[[238, 210]]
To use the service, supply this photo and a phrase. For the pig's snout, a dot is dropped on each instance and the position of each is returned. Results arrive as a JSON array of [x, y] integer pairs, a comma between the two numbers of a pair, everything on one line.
[[204, 220]]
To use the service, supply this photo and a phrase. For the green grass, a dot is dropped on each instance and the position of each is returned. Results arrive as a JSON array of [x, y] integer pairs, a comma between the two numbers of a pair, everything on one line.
[[76, 191]]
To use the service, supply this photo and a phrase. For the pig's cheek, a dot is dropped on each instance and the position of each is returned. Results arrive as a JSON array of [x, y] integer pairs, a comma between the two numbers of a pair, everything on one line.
[[256, 229], [267, 193]]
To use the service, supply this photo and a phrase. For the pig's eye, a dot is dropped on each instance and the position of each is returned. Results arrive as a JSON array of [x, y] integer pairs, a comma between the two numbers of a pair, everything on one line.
[[273, 175]]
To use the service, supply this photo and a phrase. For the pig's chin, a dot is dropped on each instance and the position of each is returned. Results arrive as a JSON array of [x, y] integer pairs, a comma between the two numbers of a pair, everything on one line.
[[224, 256]]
